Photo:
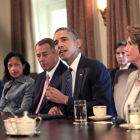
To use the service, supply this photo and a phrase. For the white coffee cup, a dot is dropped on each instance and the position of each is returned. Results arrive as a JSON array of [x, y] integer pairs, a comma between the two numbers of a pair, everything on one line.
[[10, 126], [99, 111]]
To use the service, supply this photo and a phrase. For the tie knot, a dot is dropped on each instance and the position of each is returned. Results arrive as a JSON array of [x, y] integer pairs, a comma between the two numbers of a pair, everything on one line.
[[70, 69], [47, 77]]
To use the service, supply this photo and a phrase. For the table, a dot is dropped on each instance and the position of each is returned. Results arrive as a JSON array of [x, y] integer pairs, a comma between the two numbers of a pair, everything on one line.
[[64, 129]]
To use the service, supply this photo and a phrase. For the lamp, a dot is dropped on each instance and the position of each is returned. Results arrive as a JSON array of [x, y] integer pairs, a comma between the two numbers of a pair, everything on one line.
[[102, 4]]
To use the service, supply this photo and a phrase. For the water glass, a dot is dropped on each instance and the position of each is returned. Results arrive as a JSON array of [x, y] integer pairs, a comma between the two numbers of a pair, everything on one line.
[[80, 111], [133, 116]]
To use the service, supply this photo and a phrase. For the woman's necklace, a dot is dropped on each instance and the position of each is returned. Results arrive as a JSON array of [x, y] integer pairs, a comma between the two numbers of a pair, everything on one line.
[[137, 76]]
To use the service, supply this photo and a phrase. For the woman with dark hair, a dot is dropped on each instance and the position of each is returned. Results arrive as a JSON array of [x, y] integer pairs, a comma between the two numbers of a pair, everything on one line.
[[17, 93], [133, 55]]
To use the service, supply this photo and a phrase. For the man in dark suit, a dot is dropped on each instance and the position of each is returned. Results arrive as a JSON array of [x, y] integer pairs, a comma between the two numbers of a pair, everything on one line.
[[54, 67], [90, 78], [121, 59]]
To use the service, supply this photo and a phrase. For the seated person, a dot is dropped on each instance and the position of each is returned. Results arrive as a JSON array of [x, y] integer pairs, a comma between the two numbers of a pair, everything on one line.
[[121, 59], [53, 69], [133, 55], [86, 78], [17, 93], [0, 88]]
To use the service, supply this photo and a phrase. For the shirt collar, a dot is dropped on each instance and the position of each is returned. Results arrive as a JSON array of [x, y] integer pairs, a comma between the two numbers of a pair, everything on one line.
[[75, 62], [126, 67], [23, 79], [53, 70]]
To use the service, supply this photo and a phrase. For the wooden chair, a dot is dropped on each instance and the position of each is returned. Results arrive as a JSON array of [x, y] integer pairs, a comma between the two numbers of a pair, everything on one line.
[[119, 89]]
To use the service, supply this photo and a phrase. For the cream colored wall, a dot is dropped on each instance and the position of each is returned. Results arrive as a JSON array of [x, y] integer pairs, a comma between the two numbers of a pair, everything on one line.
[[5, 32]]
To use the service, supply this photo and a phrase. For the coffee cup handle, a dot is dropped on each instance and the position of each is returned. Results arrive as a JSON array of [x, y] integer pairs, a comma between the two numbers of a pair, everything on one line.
[[15, 129], [38, 123]]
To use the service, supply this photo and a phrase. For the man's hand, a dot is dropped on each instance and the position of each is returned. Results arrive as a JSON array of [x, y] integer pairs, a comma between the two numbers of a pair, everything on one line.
[[55, 111], [56, 96]]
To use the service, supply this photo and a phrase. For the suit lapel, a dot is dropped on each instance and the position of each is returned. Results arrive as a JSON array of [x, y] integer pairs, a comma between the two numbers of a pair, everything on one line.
[[54, 80], [39, 85], [78, 82], [126, 96], [52, 83], [42, 86], [64, 76], [56, 74], [79, 76]]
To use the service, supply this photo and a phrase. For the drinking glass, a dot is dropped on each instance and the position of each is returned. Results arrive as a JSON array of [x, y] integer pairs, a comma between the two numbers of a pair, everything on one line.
[[133, 135], [134, 116], [80, 111]]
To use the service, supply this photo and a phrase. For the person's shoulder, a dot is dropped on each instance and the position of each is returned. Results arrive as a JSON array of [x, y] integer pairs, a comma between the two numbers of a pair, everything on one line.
[[114, 70], [41, 74], [0, 83], [27, 78], [132, 66], [90, 62], [8, 83], [133, 73], [61, 68], [61, 64], [132, 76]]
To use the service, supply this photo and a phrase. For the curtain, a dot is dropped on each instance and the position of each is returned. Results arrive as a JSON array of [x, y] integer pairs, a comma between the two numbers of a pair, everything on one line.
[[120, 14], [22, 31], [80, 18]]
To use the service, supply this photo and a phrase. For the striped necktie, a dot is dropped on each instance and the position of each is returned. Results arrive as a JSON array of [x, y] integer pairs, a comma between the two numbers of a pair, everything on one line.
[[69, 83]]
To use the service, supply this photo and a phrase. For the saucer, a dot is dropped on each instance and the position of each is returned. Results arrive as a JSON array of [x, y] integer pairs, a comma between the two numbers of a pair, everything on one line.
[[35, 133], [100, 119], [80, 122], [126, 126]]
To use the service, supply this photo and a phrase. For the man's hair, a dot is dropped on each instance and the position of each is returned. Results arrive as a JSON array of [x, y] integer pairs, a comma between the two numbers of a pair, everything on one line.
[[49, 41], [122, 43], [26, 70], [134, 33], [74, 33]]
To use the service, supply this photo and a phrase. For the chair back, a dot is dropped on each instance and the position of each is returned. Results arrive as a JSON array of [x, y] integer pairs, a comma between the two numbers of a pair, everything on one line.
[[119, 89]]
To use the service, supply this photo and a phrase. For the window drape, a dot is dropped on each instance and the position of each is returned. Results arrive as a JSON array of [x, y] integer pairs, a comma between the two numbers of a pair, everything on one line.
[[22, 31], [120, 14], [80, 18]]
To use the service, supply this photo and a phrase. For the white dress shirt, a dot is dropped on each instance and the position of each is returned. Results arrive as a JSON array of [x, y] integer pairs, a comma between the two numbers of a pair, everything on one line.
[[53, 70], [74, 66], [126, 67]]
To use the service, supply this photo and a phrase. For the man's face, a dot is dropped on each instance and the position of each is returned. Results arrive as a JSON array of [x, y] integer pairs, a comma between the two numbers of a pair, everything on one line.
[[46, 58], [67, 47], [121, 56]]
